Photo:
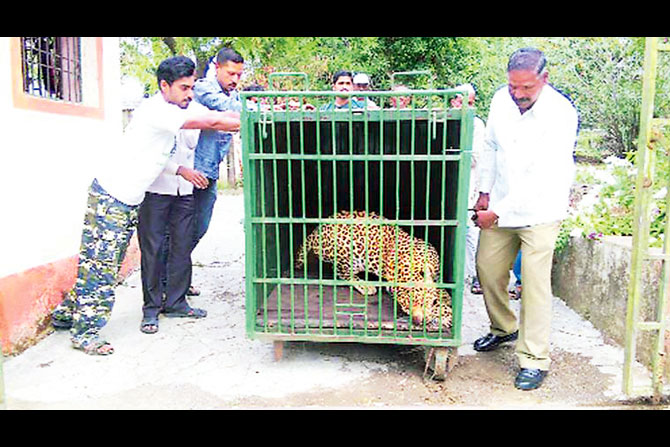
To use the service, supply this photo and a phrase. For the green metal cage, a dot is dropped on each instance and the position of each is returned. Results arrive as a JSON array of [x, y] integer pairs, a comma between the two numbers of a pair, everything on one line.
[[302, 164]]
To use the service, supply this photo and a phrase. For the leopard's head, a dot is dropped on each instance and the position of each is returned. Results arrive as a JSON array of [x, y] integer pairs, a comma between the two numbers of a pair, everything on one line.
[[435, 310], [420, 297], [427, 304]]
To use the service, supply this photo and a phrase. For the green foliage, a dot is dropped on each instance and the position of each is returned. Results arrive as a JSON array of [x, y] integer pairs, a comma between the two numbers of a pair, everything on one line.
[[140, 56], [613, 212], [450, 59], [137, 61], [602, 75]]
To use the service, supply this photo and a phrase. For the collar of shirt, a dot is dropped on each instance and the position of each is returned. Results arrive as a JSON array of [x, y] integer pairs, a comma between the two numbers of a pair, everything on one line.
[[539, 109], [542, 105]]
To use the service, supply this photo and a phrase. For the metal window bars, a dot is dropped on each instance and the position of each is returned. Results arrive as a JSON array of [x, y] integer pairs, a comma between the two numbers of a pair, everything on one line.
[[302, 165], [52, 68]]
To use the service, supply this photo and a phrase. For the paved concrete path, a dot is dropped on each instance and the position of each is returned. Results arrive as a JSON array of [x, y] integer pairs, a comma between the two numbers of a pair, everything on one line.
[[210, 363]]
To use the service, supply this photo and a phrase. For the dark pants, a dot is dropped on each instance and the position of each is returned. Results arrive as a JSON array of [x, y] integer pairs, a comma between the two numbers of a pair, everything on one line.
[[159, 214]]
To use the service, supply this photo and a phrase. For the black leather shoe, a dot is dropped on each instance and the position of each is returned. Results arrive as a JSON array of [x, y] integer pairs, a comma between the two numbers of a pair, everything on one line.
[[490, 342], [529, 379]]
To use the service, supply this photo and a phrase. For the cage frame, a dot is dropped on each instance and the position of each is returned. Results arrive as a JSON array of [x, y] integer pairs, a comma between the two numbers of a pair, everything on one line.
[[259, 124]]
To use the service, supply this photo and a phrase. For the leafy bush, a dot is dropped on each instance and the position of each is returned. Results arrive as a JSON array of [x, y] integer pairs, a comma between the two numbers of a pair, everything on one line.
[[613, 186]]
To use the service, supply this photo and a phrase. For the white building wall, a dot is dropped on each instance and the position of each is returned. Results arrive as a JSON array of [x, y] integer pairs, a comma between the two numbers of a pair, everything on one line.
[[47, 162]]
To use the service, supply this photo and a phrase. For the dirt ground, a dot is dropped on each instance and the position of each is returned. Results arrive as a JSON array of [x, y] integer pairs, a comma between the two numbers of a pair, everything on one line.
[[480, 382], [484, 381]]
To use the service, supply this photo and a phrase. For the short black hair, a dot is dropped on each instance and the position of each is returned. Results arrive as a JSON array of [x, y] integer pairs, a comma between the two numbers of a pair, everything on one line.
[[341, 73], [228, 54], [174, 68], [527, 59]]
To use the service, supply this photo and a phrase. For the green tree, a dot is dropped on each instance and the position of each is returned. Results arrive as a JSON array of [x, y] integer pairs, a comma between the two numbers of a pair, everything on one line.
[[141, 55], [450, 59], [600, 74]]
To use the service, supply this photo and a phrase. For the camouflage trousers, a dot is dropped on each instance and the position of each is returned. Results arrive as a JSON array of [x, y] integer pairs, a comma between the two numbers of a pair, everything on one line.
[[108, 227]]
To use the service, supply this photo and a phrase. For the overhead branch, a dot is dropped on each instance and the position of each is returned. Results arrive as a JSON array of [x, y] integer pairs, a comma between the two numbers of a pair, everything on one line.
[[171, 43]]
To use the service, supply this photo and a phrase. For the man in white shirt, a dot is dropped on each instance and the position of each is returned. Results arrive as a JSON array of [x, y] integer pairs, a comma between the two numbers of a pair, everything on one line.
[[165, 229], [362, 84], [131, 165], [525, 175]]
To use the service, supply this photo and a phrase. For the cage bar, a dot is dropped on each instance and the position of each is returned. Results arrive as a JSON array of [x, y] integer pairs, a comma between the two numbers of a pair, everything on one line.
[[302, 167]]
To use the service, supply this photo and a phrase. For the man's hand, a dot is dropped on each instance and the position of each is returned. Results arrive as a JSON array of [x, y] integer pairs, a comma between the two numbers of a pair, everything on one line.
[[191, 175], [485, 219]]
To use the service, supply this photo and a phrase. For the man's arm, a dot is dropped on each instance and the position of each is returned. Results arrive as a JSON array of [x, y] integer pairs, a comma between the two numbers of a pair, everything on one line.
[[213, 120], [486, 166], [191, 175]]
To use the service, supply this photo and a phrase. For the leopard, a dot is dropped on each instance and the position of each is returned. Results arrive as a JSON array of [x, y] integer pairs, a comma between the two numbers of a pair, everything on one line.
[[369, 244]]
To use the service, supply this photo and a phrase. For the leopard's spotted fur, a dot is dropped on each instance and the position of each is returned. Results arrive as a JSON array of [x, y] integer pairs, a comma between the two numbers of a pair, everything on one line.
[[374, 240]]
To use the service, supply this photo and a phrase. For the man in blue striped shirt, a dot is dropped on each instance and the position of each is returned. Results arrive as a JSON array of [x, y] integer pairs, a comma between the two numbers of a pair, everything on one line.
[[216, 91]]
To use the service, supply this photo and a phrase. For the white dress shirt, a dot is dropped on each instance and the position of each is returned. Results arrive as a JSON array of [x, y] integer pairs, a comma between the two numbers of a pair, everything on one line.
[[478, 142], [134, 161], [169, 182], [527, 165]]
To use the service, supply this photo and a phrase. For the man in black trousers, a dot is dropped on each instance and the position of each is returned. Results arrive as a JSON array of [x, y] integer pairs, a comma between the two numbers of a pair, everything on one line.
[[166, 222], [168, 209]]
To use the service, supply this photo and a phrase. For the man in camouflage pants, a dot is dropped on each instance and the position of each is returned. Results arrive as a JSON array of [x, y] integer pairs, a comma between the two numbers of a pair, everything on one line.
[[108, 227], [132, 165]]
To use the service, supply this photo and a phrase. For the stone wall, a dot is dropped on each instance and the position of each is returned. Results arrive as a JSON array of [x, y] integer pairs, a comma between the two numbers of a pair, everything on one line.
[[592, 277]]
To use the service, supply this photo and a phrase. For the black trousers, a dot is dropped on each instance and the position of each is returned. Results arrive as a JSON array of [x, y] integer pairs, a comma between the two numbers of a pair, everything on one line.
[[160, 215]]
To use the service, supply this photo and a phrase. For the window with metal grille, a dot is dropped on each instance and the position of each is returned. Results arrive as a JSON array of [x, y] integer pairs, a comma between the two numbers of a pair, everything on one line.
[[52, 68]]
